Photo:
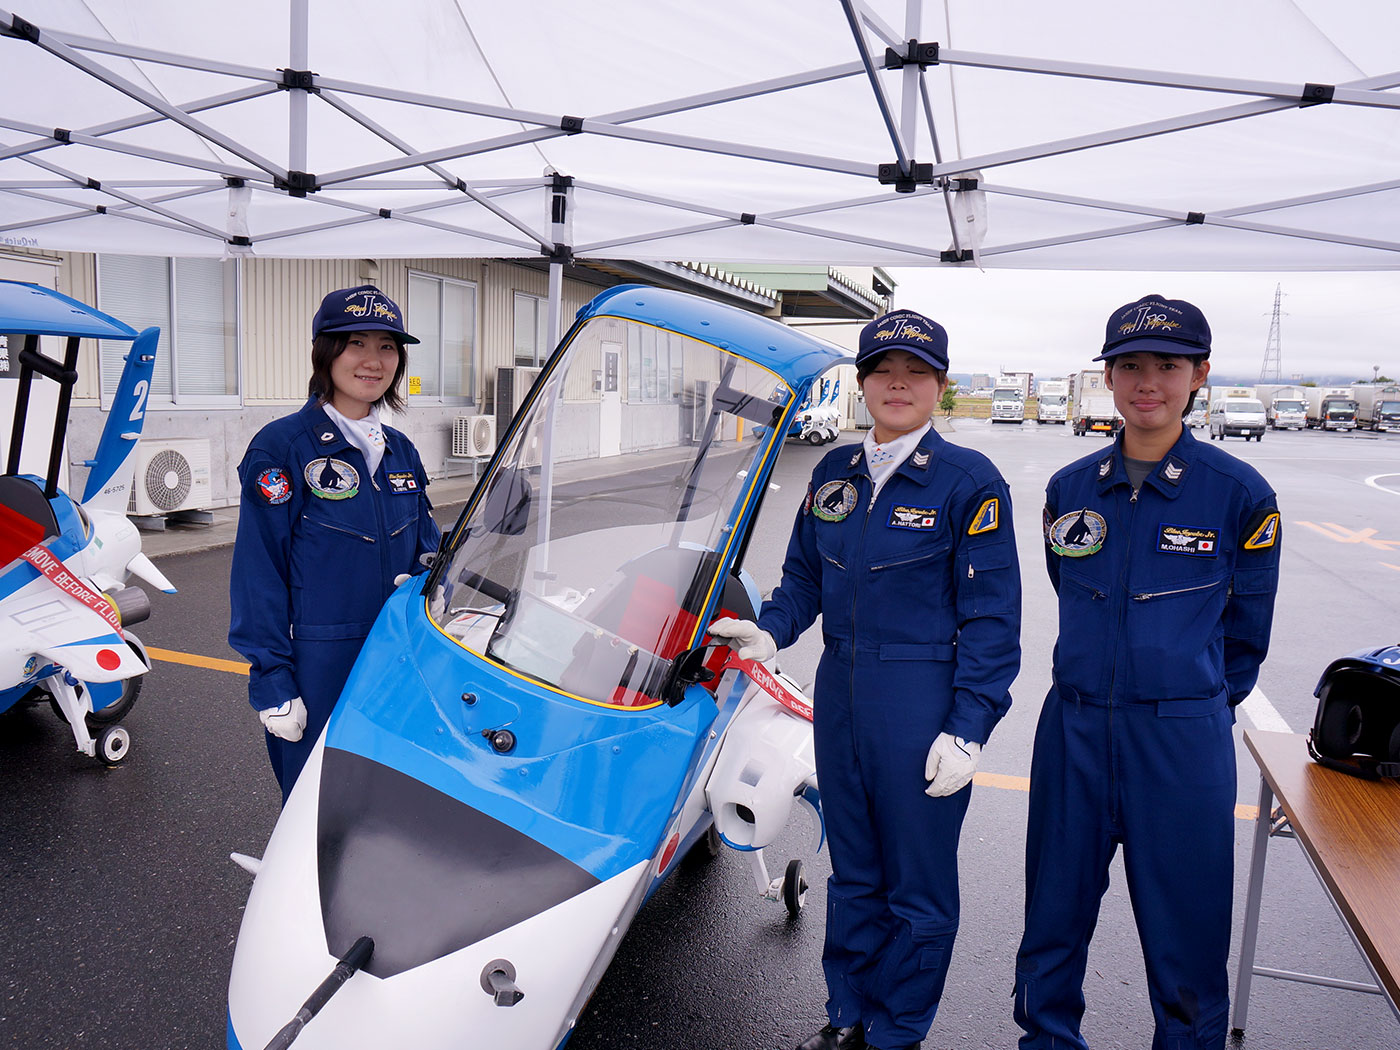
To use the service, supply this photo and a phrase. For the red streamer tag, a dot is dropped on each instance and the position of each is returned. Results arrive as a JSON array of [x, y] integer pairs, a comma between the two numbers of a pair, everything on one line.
[[771, 684], [39, 557]]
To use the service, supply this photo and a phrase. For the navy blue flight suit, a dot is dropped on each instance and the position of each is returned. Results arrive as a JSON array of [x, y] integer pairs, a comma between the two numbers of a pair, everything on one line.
[[319, 544], [1166, 597], [920, 599]]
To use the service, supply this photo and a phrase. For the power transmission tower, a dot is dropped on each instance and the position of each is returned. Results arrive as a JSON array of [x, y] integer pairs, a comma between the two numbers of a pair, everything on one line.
[[1272, 369]]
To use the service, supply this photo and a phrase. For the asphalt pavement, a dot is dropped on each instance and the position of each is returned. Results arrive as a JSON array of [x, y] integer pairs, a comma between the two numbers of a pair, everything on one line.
[[120, 908]]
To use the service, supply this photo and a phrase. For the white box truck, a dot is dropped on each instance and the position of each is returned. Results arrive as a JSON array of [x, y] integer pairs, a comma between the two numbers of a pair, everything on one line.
[[1377, 407], [1052, 400], [1093, 410], [1331, 407], [1285, 407], [1009, 397]]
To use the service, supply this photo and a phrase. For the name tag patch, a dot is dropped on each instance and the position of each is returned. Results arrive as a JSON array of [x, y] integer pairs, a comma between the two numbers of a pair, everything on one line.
[[917, 518], [403, 481], [1188, 539]]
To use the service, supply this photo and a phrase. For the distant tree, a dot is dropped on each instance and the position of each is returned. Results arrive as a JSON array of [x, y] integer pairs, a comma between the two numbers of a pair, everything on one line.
[[949, 400], [1377, 379], [1307, 382]]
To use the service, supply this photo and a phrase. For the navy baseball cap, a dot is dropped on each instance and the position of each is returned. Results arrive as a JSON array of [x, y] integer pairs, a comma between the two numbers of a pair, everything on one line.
[[903, 330], [361, 309], [1155, 324]]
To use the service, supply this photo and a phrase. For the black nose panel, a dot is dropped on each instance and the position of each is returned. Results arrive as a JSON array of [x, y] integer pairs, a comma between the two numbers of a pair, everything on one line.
[[419, 871]]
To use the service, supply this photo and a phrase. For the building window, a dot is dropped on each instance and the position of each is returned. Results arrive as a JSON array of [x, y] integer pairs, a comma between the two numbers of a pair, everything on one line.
[[531, 329], [441, 313], [194, 304], [654, 372]]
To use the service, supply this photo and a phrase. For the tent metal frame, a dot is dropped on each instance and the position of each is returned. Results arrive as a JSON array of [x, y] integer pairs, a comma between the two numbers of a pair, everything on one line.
[[902, 98]]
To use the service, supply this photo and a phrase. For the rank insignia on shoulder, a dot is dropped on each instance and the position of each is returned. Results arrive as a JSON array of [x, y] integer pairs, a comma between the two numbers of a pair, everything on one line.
[[920, 458], [918, 518], [1263, 530], [1106, 467], [274, 486], [327, 436], [1185, 539], [987, 518], [855, 457], [403, 481], [1172, 469], [834, 501], [1078, 533], [332, 478]]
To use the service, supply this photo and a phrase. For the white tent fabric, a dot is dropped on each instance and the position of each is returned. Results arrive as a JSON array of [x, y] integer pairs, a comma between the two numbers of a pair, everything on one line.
[[1107, 134]]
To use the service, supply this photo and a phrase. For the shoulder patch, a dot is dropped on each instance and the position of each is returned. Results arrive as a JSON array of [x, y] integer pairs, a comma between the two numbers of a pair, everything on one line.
[[987, 518], [274, 486], [1263, 530]]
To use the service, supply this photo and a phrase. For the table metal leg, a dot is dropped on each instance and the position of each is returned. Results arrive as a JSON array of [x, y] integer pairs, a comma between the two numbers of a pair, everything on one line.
[[1253, 896]]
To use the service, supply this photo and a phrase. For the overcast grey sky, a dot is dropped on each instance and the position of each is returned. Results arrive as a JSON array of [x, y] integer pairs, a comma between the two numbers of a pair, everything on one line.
[[1052, 322]]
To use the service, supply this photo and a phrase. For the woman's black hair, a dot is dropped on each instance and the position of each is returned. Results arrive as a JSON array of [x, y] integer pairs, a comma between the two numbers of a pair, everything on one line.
[[326, 347]]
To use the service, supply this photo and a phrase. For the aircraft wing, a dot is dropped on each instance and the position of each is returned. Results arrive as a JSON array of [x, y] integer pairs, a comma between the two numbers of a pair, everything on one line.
[[41, 618]]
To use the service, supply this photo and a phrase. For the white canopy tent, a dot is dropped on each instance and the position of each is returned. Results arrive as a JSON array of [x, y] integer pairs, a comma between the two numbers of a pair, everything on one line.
[[1108, 134]]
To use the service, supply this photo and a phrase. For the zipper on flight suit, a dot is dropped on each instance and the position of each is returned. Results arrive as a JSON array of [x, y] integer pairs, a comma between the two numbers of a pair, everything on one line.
[[1117, 648], [1167, 594]]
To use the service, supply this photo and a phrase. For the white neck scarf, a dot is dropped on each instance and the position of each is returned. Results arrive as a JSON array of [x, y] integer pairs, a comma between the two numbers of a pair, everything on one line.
[[884, 459], [366, 434]]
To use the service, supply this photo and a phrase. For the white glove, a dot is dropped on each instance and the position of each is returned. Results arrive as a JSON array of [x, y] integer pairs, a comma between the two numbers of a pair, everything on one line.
[[401, 579], [287, 720], [754, 643], [951, 763]]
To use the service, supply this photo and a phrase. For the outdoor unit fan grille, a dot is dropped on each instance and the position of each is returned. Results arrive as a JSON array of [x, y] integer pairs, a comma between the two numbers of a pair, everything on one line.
[[168, 479], [473, 436]]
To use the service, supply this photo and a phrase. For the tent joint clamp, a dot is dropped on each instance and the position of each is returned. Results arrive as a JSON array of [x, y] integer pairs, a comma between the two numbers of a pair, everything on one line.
[[1316, 94], [915, 54], [298, 80], [905, 182]]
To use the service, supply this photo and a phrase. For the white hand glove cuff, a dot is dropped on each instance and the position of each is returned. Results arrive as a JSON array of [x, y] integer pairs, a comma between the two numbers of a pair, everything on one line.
[[747, 639], [287, 720], [950, 764]]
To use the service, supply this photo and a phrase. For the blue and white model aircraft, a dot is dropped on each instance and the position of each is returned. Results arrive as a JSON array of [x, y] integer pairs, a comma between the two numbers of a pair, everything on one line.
[[65, 606], [537, 730]]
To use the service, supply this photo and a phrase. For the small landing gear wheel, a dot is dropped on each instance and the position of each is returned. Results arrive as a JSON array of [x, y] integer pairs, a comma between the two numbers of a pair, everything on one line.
[[814, 438], [113, 743], [794, 888]]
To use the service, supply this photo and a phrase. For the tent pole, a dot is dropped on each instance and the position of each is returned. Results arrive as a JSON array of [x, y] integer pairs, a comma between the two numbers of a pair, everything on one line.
[[298, 57]]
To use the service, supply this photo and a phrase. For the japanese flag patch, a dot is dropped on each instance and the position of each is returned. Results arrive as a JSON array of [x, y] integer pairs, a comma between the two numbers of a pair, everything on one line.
[[403, 481], [1187, 539], [917, 518]]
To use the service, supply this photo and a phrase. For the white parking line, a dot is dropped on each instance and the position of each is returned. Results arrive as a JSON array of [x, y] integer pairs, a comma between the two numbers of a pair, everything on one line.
[[1263, 714], [1374, 479]]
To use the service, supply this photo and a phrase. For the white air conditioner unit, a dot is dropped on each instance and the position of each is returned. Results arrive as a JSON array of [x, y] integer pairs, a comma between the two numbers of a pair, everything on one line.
[[171, 475], [473, 436]]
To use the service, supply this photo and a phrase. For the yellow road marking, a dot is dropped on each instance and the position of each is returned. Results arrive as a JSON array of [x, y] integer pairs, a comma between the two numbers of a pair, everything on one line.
[[1005, 781], [170, 656], [1010, 783]]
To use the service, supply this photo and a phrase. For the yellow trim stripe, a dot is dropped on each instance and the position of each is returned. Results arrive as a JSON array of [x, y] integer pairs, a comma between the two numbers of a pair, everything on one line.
[[170, 656], [1004, 781]]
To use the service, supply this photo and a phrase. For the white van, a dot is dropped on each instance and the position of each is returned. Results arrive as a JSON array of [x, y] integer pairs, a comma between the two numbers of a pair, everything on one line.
[[1243, 416]]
